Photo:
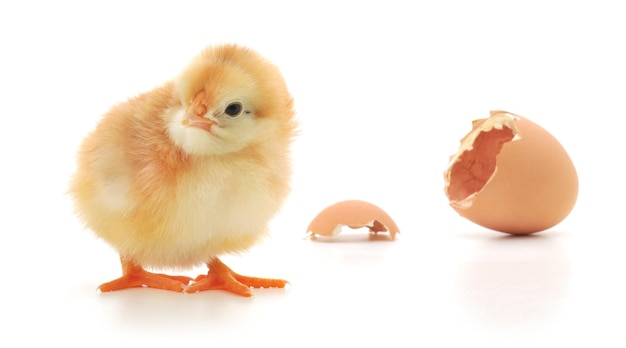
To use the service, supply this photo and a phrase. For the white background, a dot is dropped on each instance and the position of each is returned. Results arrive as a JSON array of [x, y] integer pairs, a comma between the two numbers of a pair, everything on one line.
[[383, 92]]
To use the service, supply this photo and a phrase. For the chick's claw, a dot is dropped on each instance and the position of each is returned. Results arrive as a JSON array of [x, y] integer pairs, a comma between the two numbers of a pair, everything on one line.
[[220, 277]]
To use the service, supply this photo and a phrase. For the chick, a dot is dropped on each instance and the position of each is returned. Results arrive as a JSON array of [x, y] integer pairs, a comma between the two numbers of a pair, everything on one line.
[[191, 170]]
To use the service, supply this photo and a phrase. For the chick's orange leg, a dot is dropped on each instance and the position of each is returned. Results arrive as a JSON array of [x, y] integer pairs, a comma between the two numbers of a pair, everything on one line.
[[220, 277], [134, 276]]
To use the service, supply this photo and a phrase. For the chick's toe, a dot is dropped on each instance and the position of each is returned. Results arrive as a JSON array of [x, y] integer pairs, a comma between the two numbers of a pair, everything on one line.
[[134, 276], [220, 277]]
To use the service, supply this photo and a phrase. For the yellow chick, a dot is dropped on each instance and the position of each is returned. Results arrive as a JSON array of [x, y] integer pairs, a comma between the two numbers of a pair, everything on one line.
[[191, 170]]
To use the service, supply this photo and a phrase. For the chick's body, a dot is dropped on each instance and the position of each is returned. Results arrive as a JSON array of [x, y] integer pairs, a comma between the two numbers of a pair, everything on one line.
[[192, 169]]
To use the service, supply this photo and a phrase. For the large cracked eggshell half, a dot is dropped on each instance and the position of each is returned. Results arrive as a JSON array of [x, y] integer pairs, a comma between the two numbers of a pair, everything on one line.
[[511, 175]]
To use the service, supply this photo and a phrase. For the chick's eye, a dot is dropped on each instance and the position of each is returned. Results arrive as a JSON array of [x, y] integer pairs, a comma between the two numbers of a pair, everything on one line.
[[233, 109]]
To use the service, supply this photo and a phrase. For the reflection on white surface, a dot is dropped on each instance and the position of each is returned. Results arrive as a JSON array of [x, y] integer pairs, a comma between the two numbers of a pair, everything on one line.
[[515, 280]]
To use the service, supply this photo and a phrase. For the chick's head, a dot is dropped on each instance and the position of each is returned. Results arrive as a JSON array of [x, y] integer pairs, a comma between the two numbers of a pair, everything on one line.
[[231, 98]]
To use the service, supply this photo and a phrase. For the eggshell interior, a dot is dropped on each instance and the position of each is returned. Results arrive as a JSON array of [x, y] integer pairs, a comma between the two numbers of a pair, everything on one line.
[[512, 176]]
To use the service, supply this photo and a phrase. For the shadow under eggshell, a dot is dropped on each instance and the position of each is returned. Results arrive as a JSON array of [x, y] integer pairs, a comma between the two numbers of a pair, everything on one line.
[[354, 214]]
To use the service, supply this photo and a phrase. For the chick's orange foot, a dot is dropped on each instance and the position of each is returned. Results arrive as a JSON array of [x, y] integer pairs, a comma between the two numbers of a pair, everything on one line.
[[134, 276], [220, 277]]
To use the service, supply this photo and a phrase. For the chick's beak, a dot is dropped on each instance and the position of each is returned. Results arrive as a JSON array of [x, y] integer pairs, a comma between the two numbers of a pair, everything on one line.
[[193, 117]]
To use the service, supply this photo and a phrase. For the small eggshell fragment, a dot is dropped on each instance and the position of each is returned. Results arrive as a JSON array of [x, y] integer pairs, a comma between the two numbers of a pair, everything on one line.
[[353, 214], [511, 175]]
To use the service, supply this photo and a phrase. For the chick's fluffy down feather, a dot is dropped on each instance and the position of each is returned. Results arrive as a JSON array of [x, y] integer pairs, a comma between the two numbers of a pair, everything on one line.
[[166, 194]]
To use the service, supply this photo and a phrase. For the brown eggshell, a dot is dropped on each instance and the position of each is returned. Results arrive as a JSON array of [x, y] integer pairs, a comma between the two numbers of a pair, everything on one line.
[[353, 214], [512, 176]]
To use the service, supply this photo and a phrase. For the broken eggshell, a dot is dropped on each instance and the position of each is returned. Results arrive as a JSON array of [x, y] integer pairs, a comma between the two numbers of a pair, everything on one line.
[[353, 214], [511, 175]]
